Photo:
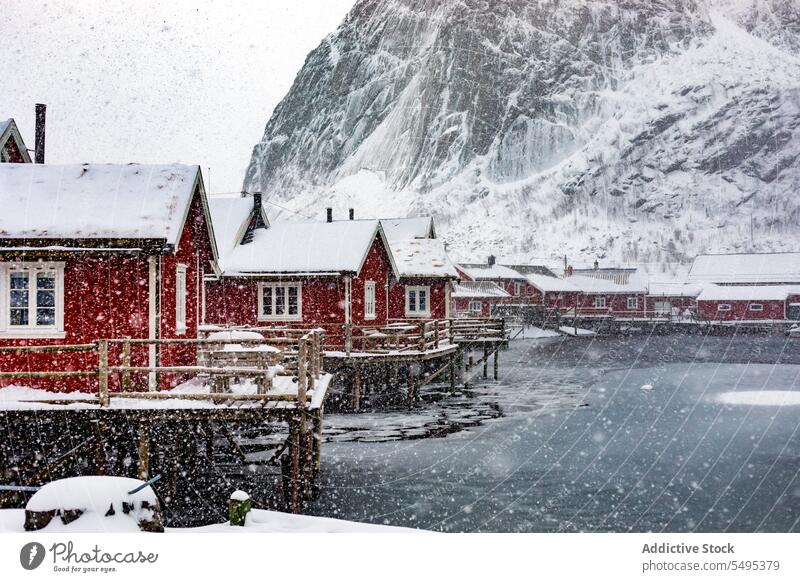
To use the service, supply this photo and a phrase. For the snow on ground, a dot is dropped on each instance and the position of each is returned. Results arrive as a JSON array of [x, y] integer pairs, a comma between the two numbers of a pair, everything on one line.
[[761, 398], [258, 521], [533, 332], [576, 331]]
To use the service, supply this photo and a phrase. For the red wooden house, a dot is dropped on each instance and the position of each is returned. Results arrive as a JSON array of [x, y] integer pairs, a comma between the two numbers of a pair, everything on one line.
[[424, 271], [605, 297], [512, 278], [477, 298], [747, 302], [671, 299], [327, 274], [553, 292], [100, 251], [12, 148]]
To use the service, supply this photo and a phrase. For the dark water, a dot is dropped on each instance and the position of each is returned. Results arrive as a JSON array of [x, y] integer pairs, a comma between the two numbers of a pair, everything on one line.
[[568, 440]]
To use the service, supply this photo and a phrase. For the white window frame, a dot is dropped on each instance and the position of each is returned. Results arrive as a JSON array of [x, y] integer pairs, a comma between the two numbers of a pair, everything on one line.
[[55, 331], [416, 289], [633, 303], [517, 289], [180, 298], [752, 307], [370, 298], [284, 316], [473, 309], [599, 301], [724, 307]]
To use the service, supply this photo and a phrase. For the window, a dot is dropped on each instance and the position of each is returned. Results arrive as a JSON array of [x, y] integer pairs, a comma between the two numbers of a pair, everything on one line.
[[180, 299], [280, 301], [663, 307], [369, 300], [633, 303], [517, 289], [756, 307], [418, 301], [600, 302], [475, 307], [32, 299], [724, 307]]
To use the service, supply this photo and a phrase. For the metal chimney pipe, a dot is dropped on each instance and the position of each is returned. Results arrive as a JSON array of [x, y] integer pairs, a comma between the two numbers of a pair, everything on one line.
[[352, 214], [38, 155], [491, 260], [330, 214]]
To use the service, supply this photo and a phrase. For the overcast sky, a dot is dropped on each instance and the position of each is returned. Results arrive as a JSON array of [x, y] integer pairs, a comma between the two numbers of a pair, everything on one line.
[[156, 81]]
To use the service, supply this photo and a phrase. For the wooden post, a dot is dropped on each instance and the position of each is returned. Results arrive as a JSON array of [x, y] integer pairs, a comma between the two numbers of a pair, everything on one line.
[[485, 360], [308, 461], [348, 338], [452, 374], [496, 368], [422, 340], [436, 334], [318, 441], [126, 361], [302, 372], [143, 451], [294, 464], [356, 388], [101, 460], [410, 395], [102, 351]]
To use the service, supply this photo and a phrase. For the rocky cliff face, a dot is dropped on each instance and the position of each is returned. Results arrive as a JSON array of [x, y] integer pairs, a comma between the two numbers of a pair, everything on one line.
[[638, 130]]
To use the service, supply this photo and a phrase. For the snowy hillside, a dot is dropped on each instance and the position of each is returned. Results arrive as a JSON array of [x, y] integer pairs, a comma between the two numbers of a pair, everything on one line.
[[638, 130]]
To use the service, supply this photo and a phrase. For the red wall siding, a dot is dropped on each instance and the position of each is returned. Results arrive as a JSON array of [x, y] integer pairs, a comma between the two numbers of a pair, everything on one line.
[[377, 267], [397, 297], [107, 298], [461, 305], [103, 298], [739, 310]]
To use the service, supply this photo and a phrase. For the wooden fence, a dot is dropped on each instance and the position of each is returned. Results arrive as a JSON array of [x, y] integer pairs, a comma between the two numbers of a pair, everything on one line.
[[300, 357]]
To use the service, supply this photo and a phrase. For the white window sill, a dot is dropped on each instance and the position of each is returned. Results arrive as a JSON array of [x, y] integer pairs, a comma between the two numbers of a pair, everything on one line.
[[418, 314], [289, 318], [32, 334], [180, 331], [369, 317]]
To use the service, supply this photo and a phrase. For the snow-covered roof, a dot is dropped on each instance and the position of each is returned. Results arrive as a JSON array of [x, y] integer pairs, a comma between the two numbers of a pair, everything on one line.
[[310, 247], [86, 201], [550, 284], [674, 289], [487, 272], [422, 257], [746, 268], [747, 292], [408, 228], [4, 125], [469, 289], [595, 285], [231, 216]]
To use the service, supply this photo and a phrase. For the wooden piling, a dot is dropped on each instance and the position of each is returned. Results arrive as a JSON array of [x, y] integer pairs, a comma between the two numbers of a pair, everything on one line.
[[294, 464], [452, 374], [496, 366], [356, 388], [485, 360], [143, 450], [410, 378]]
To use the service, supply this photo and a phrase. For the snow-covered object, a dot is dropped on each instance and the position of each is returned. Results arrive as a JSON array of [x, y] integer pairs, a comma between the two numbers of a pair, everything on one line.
[[746, 268], [551, 284], [487, 272], [476, 289], [304, 248], [408, 228], [234, 334], [747, 292], [655, 289], [637, 130], [646, 387], [230, 217], [761, 398], [103, 502], [422, 257], [239, 495], [95, 200], [595, 285]]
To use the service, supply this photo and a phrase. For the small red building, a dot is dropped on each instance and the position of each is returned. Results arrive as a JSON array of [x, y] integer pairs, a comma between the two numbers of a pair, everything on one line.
[[477, 298], [100, 251], [553, 292], [747, 302], [424, 272], [297, 273], [604, 297], [12, 148]]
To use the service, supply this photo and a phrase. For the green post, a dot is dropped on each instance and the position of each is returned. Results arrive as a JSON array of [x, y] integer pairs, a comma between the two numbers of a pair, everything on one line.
[[239, 506]]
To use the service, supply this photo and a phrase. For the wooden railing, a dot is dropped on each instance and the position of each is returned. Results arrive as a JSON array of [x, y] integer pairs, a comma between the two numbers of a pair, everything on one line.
[[300, 357]]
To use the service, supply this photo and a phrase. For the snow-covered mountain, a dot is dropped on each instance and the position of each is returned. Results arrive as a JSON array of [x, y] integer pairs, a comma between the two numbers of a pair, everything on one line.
[[637, 130]]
